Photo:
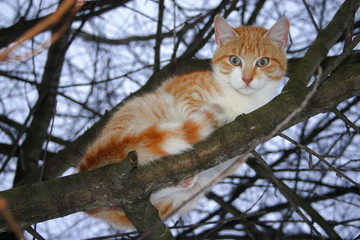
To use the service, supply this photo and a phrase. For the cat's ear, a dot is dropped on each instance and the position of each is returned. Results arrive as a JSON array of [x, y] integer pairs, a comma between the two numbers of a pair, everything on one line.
[[223, 30], [279, 32]]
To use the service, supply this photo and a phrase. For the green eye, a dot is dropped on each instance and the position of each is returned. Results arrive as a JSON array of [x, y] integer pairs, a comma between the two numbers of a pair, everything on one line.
[[262, 62], [234, 60]]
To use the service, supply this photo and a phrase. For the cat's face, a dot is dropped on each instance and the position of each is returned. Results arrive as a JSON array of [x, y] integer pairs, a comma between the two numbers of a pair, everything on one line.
[[249, 58]]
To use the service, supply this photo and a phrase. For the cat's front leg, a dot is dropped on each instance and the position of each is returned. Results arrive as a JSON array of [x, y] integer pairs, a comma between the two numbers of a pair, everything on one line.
[[216, 114]]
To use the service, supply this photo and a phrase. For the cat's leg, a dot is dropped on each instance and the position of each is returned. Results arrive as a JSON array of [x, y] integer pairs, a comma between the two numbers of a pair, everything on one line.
[[215, 174], [216, 113], [178, 202], [182, 198], [218, 118]]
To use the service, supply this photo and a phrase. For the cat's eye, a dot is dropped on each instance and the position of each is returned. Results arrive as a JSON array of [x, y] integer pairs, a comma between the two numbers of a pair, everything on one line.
[[262, 62], [234, 60]]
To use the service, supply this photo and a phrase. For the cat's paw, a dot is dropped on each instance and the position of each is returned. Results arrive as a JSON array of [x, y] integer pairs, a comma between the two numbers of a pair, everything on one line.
[[188, 182], [216, 113]]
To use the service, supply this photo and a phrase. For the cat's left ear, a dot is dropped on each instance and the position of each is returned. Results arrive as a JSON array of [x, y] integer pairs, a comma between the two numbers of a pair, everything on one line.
[[279, 32], [223, 30]]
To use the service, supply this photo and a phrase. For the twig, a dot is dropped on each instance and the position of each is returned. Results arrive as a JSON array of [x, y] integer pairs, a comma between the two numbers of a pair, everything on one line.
[[346, 120], [158, 36], [67, 6], [252, 19], [295, 201], [311, 16], [20, 133], [80, 104], [249, 225], [173, 57], [34, 233], [339, 173]]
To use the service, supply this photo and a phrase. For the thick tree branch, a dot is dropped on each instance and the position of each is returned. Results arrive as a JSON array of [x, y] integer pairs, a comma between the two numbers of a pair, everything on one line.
[[105, 186], [143, 214], [37, 133], [321, 46]]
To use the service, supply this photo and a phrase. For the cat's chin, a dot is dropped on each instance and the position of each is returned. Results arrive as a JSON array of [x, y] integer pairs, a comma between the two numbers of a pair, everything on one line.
[[246, 90]]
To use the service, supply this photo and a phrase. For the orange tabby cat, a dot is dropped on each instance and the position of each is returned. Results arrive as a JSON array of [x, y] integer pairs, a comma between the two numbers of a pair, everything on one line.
[[248, 67]]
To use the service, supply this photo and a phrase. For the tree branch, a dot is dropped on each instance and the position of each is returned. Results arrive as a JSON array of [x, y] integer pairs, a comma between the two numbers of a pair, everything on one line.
[[322, 44], [143, 214], [37, 133], [105, 186], [158, 36], [250, 226], [295, 200], [10, 34]]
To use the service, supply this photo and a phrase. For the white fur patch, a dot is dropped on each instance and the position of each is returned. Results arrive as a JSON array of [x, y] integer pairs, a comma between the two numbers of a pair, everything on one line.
[[175, 145]]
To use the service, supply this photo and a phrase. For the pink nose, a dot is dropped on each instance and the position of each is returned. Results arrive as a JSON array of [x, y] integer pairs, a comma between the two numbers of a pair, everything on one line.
[[247, 80]]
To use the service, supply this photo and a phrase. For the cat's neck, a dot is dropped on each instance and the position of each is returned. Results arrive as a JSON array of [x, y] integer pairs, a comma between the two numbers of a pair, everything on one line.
[[236, 103]]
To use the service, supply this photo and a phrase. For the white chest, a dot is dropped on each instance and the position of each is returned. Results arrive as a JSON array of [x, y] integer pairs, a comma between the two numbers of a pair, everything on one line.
[[234, 103]]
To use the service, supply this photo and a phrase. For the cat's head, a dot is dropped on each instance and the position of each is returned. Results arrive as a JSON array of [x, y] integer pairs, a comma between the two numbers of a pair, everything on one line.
[[249, 58]]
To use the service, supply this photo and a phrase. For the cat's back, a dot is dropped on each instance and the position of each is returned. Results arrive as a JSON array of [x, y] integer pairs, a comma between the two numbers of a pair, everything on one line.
[[199, 82], [165, 103], [142, 111]]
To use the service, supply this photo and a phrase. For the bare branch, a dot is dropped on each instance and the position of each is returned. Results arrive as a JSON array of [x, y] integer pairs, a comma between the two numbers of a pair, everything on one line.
[[339, 173], [296, 201], [158, 35]]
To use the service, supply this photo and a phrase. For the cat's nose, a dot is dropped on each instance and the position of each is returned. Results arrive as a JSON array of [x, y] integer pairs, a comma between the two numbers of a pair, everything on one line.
[[247, 80]]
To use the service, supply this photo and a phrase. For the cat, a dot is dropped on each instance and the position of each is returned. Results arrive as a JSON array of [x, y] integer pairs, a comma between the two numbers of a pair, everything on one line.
[[248, 66]]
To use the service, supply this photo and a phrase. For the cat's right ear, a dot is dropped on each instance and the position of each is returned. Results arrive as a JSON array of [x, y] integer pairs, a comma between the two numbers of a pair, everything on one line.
[[279, 32], [223, 30]]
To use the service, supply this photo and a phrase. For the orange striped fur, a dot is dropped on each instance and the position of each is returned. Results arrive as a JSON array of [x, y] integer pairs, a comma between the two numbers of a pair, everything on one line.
[[247, 68]]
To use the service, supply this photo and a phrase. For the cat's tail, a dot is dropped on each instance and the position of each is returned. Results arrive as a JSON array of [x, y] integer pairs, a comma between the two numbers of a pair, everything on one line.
[[113, 216], [118, 219]]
